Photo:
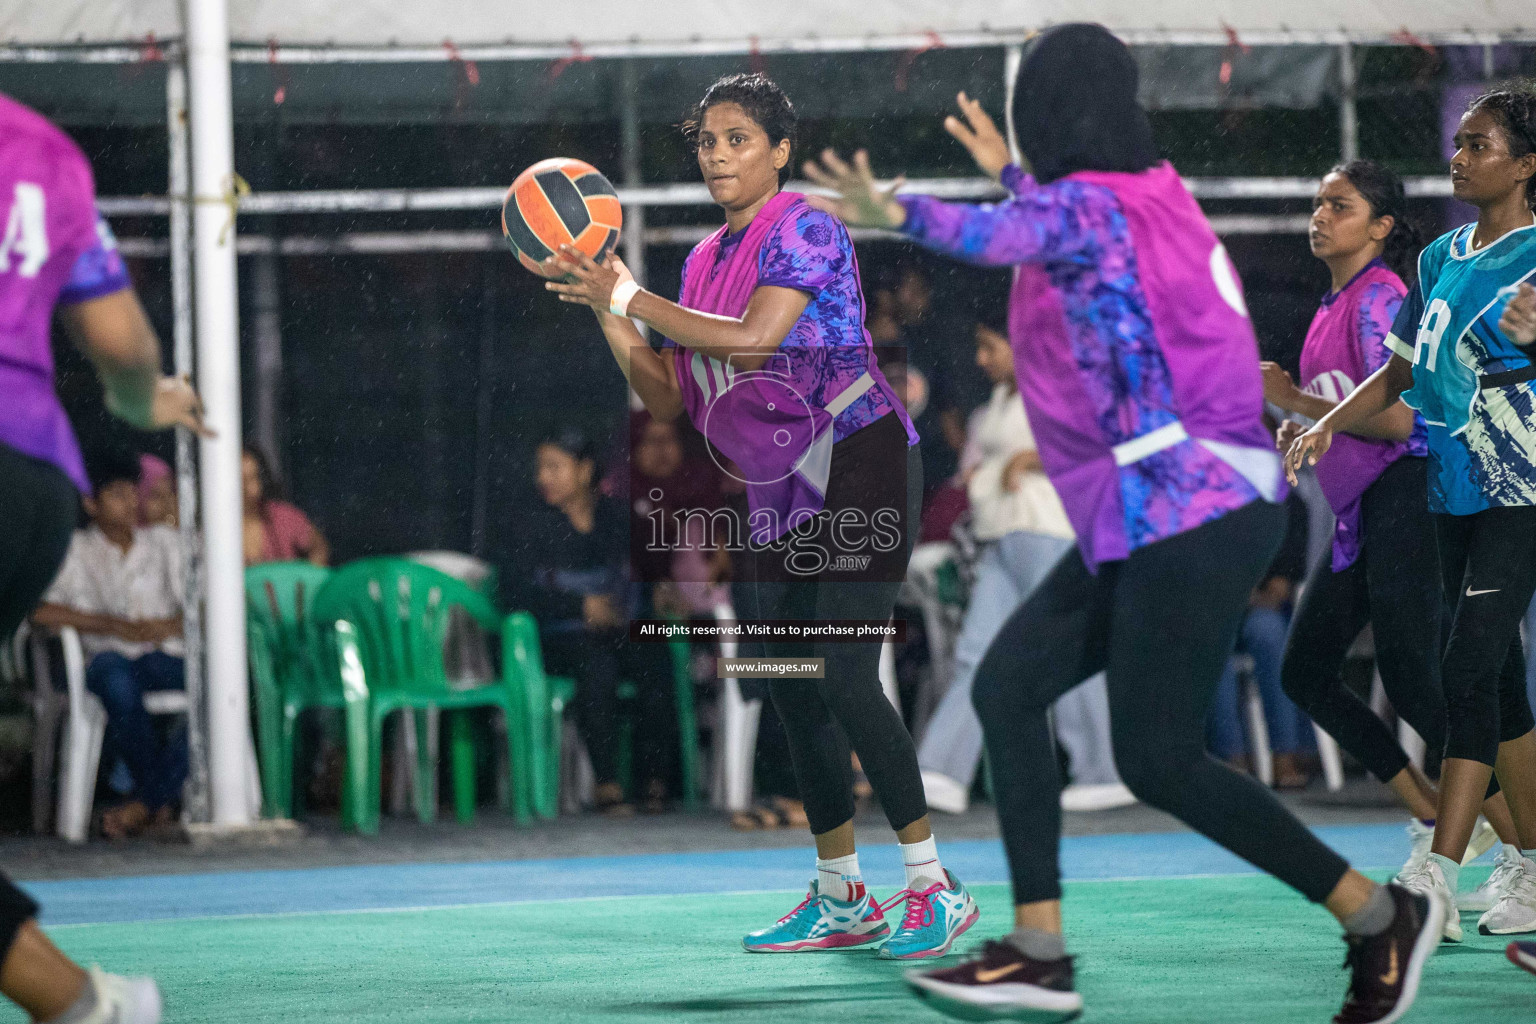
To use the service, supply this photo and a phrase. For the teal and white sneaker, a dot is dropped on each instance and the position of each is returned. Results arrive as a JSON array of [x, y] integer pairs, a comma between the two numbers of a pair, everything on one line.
[[820, 923], [935, 917]]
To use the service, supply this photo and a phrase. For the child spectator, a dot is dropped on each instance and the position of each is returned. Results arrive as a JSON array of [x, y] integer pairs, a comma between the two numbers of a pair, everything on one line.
[[121, 587]]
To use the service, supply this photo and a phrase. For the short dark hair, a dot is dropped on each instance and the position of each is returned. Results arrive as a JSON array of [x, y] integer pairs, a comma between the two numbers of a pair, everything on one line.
[[1382, 191], [107, 466], [573, 441], [764, 102], [1514, 107]]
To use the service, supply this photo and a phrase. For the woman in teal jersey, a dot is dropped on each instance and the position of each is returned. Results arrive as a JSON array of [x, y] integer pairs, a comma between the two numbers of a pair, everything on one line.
[[1462, 357]]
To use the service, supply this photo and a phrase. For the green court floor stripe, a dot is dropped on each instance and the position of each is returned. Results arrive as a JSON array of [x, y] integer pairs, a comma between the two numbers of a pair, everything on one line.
[[1225, 950]]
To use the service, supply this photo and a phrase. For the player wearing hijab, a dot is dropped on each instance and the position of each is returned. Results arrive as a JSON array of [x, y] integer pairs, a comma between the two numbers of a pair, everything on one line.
[[1139, 370]]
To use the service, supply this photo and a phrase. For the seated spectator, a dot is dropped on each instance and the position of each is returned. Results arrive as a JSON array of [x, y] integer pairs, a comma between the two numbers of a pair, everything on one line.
[[275, 531], [1262, 638], [121, 587], [575, 584], [158, 503], [675, 490], [1023, 532]]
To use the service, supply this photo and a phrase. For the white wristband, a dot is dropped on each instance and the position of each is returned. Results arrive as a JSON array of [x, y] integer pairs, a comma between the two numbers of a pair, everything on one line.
[[623, 293]]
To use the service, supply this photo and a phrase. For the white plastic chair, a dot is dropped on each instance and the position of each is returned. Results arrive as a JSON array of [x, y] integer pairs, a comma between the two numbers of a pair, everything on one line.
[[737, 745], [1258, 733], [85, 726]]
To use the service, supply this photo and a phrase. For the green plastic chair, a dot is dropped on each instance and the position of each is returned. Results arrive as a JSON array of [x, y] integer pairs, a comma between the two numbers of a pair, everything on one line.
[[546, 698], [398, 613], [292, 670]]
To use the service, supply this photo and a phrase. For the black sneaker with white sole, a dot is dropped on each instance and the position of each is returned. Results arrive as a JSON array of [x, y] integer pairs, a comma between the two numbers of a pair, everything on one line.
[[1002, 983], [1385, 969]]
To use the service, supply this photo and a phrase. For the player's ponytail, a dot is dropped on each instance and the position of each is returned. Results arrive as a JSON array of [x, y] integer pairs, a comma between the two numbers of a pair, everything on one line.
[[1382, 190]]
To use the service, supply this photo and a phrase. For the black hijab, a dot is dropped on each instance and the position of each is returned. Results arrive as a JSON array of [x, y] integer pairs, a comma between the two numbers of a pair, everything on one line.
[[1074, 105]]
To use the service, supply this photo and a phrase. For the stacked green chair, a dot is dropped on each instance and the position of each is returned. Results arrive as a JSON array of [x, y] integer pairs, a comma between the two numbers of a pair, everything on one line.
[[292, 670], [546, 698], [389, 618]]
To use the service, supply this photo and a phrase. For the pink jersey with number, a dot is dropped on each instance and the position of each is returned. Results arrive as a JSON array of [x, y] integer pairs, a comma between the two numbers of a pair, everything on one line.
[[54, 248]]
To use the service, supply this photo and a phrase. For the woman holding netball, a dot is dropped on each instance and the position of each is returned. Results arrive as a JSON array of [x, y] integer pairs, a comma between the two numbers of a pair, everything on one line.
[[767, 353], [1461, 355], [1139, 370]]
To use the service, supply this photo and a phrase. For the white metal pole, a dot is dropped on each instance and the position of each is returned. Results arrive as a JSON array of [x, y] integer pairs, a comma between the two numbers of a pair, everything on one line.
[[218, 366], [629, 143], [1349, 115], [1013, 59], [186, 454]]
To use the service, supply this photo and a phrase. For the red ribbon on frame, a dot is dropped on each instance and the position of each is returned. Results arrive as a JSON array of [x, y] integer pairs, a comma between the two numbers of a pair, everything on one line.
[[908, 59], [1235, 45], [1407, 38], [149, 53], [562, 65], [466, 74], [279, 73]]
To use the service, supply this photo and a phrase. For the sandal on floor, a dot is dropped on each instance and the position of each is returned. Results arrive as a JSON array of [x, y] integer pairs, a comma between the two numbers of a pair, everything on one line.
[[125, 820], [791, 813], [760, 817], [608, 800]]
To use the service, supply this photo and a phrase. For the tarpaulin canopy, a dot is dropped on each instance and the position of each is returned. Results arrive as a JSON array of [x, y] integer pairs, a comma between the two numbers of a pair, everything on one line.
[[741, 25]]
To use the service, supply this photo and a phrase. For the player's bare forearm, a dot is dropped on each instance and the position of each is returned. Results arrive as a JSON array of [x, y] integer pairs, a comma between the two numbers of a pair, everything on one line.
[[746, 343], [1362, 410], [116, 336], [648, 372]]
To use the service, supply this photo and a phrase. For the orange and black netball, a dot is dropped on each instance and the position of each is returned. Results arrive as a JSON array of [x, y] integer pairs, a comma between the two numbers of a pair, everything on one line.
[[560, 202]]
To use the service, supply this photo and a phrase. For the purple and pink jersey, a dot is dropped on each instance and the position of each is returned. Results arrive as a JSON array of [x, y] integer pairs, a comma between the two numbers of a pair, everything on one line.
[[56, 249], [778, 422], [1346, 343], [1134, 352]]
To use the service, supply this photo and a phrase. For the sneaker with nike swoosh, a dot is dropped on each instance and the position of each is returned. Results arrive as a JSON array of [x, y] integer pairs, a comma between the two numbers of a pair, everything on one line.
[[1002, 982], [1385, 969]]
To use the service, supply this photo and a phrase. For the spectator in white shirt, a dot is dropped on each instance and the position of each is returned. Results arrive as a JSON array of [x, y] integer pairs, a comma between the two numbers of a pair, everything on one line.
[[1022, 531], [121, 587]]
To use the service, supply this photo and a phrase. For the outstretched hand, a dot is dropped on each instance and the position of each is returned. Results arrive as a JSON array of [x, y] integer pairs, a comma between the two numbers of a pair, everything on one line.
[[860, 201], [176, 404], [587, 282], [978, 133], [1519, 319]]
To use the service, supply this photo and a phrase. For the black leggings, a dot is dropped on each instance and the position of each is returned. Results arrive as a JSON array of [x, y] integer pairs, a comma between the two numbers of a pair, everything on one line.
[[1394, 585], [823, 716], [1488, 561], [36, 521], [1162, 623], [600, 660]]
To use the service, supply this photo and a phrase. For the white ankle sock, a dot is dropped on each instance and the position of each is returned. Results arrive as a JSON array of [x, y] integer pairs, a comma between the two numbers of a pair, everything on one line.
[[921, 861], [839, 878], [1450, 868]]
